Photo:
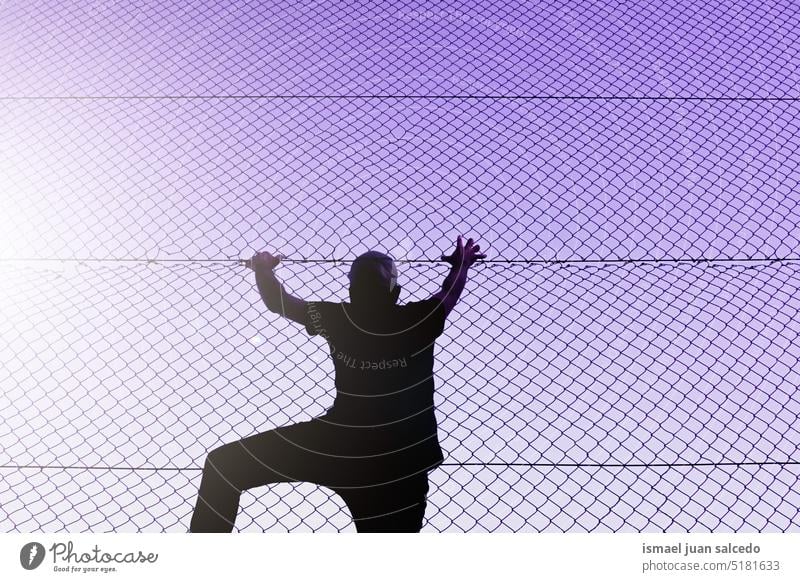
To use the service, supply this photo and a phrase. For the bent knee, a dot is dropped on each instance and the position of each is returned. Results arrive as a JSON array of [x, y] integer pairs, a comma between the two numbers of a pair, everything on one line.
[[220, 460]]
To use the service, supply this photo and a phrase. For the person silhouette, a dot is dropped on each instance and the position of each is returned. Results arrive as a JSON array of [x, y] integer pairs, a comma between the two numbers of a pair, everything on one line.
[[376, 445]]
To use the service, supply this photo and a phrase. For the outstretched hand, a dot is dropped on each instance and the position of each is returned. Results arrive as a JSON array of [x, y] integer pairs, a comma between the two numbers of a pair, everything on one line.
[[264, 261], [464, 255]]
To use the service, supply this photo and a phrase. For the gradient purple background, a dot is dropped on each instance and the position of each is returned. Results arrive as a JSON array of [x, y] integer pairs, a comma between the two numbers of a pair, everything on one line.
[[396, 126]]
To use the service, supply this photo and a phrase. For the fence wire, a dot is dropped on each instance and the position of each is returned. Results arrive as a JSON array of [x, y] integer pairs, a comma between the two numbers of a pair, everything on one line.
[[626, 361], [570, 397]]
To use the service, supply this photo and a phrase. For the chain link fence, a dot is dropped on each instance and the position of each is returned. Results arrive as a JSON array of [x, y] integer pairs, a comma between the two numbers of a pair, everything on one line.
[[625, 361]]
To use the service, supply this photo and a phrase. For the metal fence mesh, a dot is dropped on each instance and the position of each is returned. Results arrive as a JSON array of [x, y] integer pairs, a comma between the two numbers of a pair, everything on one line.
[[627, 360]]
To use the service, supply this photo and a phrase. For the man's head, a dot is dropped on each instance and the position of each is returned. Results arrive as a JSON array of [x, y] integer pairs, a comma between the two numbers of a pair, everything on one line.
[[373, 279]]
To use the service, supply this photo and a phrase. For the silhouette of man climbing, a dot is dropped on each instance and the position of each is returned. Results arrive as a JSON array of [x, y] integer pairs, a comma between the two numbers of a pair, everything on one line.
[[375, 446]]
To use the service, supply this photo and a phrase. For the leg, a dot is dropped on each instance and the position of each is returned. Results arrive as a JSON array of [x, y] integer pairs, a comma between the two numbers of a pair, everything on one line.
[[391, 507], [284, 454]]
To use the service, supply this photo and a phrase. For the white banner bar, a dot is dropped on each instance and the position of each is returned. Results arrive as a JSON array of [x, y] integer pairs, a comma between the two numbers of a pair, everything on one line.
[[380, 557]]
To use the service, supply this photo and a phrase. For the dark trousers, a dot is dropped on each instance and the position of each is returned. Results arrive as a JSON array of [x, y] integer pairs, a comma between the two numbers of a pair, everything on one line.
[[381, 496]]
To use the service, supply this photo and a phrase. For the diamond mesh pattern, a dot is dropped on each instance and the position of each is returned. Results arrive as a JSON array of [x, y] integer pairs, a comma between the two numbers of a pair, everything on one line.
[[626, 361]]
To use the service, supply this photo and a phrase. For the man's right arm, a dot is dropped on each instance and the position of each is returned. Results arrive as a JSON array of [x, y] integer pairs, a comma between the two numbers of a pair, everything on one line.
[[452, 287], [461, 260]]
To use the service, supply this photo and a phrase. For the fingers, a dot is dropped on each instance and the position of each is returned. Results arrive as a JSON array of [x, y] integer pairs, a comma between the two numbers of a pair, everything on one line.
[[465, 249], [471, 245], [265, 259], [470, 249]]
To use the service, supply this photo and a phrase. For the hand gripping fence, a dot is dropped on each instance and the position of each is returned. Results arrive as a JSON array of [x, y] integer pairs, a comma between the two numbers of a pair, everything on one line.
[[626, 359]]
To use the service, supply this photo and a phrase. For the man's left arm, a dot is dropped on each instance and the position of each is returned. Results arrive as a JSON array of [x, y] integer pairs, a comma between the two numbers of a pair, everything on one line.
[[275, 297]]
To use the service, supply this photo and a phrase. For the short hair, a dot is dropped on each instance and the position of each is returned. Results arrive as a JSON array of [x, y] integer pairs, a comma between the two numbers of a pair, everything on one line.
[[373, 270]]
